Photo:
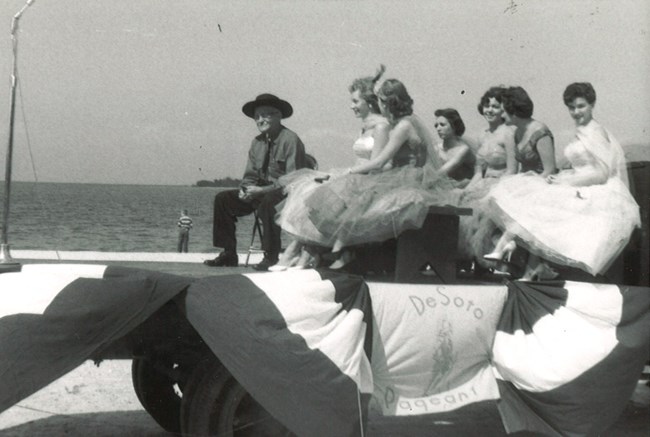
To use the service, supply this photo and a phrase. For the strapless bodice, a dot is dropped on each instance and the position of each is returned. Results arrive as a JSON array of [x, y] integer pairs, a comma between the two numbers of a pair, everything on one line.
[[362, 148]]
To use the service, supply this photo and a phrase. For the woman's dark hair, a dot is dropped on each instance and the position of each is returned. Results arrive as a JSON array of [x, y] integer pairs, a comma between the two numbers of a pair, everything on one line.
[[515, 101], [495, 92], [579, 89], [454, 119], [365, 86], [397, 100]]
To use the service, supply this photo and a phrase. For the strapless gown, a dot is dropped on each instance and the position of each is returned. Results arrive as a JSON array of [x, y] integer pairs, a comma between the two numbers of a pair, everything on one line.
[[579, 226], [477, 233], [299, 185], [364, 208]]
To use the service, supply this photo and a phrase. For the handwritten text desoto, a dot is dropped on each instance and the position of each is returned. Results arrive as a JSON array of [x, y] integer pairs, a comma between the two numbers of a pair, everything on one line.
[[422, 304]]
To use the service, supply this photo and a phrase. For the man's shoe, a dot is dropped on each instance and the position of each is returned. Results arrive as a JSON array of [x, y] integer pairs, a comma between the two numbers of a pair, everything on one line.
[[223, 260], [265, 264]]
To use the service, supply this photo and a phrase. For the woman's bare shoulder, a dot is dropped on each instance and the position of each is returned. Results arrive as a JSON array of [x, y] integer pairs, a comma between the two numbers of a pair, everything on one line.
[[599, 129], [404, 124], [382, 126]]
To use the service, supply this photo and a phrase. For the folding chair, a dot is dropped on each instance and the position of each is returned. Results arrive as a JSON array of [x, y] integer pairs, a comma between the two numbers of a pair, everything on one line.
[[257, 230], [310, 162]]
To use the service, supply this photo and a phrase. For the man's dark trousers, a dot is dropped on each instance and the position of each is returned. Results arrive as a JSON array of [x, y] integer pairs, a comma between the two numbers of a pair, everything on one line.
[[228, 206]]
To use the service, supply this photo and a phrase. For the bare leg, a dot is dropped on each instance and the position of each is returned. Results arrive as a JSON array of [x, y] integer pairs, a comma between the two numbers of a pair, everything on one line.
[[338, 246], [305, 259], [538, 270], [289, 257], [504, 248], [309, 258]]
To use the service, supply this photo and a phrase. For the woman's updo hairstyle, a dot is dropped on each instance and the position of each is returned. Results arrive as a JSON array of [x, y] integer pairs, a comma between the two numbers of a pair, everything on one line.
[[515, 101], [454, 119], [579, 89], [366, 87], [495, 92], [395, 97]]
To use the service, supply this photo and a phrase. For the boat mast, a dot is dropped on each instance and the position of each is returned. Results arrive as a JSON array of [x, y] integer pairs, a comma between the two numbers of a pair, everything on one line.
[[7, 264]]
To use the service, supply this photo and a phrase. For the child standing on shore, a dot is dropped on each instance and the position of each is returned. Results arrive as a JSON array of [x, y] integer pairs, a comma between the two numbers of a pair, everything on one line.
[[184, 226]]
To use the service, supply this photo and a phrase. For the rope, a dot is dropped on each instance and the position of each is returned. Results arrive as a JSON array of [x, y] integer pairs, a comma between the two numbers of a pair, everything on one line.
[[359, 408], [29, 144], [32, 161]]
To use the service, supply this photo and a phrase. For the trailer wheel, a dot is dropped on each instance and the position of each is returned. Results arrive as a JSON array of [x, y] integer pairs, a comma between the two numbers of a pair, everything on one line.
[[242, 416], [156, 389], [214, 403], [202, 396]]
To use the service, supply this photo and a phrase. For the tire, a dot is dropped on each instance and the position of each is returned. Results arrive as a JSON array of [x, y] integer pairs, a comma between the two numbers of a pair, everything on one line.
[[242, 416], [155, 388], [215, 404], [202, 398]]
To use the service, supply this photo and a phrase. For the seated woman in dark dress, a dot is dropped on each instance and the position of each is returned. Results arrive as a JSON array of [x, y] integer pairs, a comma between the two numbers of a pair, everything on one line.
[[535, 153], [454, 150]]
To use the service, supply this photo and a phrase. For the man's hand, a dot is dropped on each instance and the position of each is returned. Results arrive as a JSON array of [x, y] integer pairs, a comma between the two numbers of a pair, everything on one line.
[[252, 192], [243, 194]]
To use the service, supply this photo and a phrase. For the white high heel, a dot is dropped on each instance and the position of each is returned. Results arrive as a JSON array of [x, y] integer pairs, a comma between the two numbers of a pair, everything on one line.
[[290, 257], [306, 261], [504, 254], [542, 272], [346, 258]]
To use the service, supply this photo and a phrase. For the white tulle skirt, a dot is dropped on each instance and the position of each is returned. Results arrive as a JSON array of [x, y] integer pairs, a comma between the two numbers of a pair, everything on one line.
[[477, 234], [356, 209], [584, 227], [293, 217]]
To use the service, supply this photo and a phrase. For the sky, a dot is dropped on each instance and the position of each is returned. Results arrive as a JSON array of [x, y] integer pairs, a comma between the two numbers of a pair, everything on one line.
[[150, 91]]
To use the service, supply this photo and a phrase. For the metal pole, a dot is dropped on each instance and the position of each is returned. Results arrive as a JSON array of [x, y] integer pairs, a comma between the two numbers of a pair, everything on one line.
[[7, 264]]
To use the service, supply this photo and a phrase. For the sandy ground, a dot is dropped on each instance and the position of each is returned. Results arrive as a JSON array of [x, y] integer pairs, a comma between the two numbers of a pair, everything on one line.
[[89, 401], [100, 402]]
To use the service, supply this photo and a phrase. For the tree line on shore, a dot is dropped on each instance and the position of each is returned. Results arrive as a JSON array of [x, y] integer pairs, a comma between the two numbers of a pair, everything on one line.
[[223, 182]]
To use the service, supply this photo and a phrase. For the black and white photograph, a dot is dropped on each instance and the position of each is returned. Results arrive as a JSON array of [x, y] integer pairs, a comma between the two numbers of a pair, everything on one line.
[[324, 218]]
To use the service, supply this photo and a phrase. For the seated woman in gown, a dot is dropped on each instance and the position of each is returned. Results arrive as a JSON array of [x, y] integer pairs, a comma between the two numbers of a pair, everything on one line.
[[534, 150], [495, 157], [455, 152], [534, 146], [302, 251], [369, 205], [581, 217]]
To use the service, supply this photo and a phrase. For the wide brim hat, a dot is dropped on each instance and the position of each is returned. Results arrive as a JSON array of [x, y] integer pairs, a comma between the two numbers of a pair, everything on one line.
[[267, 100]]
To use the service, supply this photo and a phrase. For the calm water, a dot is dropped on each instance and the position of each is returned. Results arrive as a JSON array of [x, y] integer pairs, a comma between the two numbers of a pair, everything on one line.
[[124, 218]]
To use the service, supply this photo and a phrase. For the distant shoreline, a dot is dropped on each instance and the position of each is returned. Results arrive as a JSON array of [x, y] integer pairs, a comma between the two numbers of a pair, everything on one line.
[[633, 152]]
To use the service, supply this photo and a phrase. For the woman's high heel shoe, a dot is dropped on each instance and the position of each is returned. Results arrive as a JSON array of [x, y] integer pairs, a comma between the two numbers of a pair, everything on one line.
[[306, 261], [504, 254], [284, 264], [346, 258], [542, 272]]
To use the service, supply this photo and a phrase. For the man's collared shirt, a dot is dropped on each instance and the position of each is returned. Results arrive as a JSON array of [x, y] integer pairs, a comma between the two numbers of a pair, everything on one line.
[[287, 155]]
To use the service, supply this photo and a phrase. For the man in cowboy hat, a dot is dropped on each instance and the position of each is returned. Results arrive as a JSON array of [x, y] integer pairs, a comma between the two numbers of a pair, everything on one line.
[[275, 152]]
